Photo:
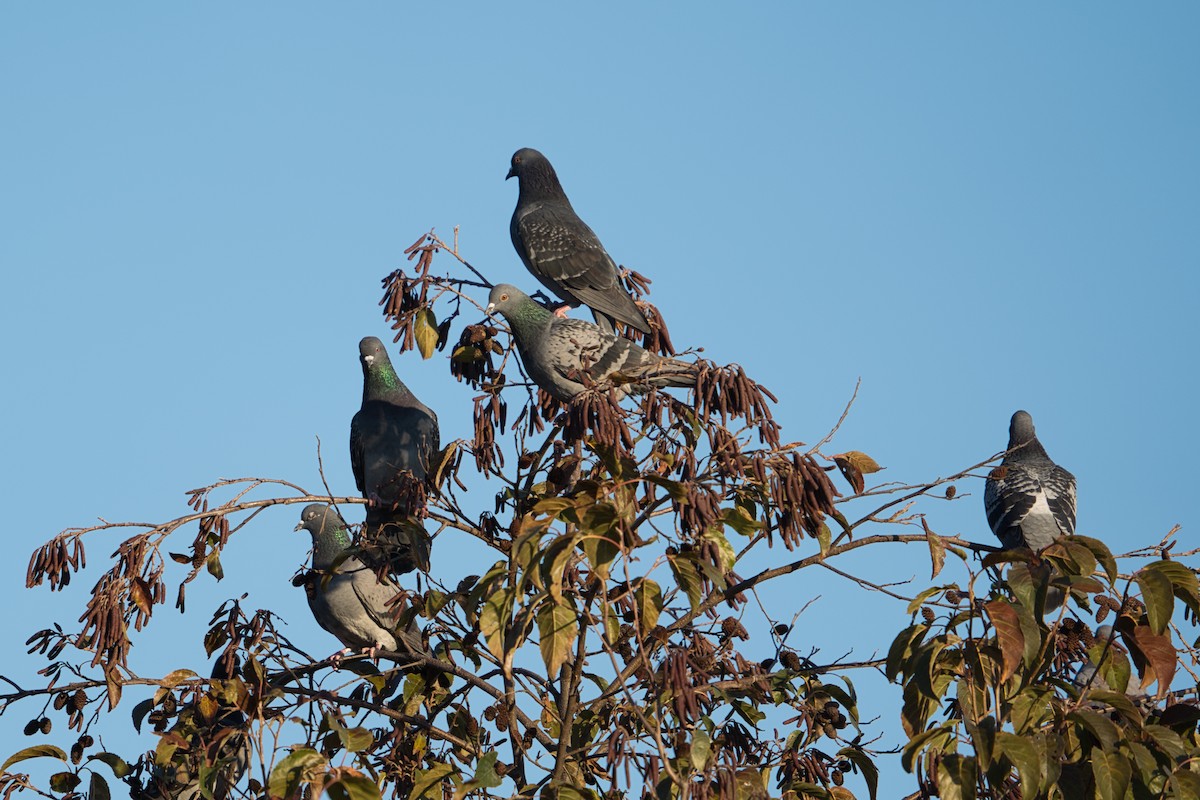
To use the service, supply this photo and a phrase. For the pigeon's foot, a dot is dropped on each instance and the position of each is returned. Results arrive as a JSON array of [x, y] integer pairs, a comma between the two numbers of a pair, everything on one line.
[[562, 310], [372, 651], [337, 657]]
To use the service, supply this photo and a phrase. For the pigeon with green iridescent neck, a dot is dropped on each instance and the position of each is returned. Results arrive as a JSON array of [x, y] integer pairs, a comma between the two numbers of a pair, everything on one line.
[[347, 597], [561, 250], [393, 438], [566, 356]]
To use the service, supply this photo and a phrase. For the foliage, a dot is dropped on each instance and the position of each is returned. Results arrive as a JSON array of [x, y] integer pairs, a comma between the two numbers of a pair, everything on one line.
[[606, 650]]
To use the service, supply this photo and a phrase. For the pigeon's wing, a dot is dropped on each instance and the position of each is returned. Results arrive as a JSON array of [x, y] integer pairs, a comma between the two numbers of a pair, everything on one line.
[[357, 445], [1008, 497], [1059, 486], [558, 246], [561, 250], [373, 595]]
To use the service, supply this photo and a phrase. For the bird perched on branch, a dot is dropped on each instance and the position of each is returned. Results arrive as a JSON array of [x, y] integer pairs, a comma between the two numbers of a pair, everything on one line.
[[561, 250], [393, 438], [565, 356], [1030, 500], [348, 598]]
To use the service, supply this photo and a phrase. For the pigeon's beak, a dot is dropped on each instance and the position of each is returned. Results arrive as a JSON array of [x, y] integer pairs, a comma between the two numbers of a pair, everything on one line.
[[512, 171], [299, 525], [490, 309]]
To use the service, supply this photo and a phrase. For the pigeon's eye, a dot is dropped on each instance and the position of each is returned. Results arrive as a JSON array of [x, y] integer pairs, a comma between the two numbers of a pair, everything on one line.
[[503, 297]]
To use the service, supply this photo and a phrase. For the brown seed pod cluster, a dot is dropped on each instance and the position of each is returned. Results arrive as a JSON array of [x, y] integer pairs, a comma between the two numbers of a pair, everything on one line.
[[491, 414], [1072, 639], [800, 492], [677, 676], [471, 360], [598, 414], [55, 561], [727, 392]]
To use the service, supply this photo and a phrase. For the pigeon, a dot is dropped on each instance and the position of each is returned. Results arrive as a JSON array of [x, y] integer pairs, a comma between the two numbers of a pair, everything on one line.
[[347, 597], [217, 755], [1030, 500], [561, 250], [393, 438], [564, 356]]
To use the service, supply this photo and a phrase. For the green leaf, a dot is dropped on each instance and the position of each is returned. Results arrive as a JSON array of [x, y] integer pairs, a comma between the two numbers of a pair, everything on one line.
[[865, 766], [898, 653], [426, 335], [675, 489], [98, 788], [824, 538], [740, 520], [557, 630], [496, 614], [956, 777], [356, 740], [353, 786], [649, 601], [601, 549], [935, 739], [64, 781], [1158, 596], [115, 763], [1024, 757], [426, 779], [300, 766], [139, 713], [1186, 784], [687, 575], [214, 565], [37, 751], [728, 554], [1103, 555], [1112, 771], [1100, 726], [554, 562], [701, 747], [485, 772]]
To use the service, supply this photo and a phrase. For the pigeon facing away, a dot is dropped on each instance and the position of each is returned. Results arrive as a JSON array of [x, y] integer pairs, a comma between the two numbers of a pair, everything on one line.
[[561, 250], [1030, 500], [558, 353], [347, 597], [392, 439]]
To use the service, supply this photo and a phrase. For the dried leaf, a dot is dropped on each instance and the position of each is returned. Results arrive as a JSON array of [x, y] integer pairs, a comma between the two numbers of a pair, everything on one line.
[[1009, 635]]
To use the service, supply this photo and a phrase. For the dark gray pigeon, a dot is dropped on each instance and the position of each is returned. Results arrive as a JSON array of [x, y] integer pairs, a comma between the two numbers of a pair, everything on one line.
[[1030, 500], [393, 437], [561, 250], [347, 598], [560, 354]]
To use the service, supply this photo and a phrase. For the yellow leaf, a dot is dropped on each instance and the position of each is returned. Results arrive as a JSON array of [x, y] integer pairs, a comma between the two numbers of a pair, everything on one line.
[[425, 331]]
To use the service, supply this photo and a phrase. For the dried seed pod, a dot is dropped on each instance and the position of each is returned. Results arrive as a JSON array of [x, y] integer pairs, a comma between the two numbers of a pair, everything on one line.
[[927, 615], [45, 726]]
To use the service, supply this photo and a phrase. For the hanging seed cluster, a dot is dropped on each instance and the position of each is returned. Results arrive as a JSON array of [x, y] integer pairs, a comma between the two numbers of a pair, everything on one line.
[[471, 359], [404, 297], [55, 561]]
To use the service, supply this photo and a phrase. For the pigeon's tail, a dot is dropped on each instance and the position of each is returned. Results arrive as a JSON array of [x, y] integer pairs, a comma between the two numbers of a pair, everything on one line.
[[629, 314], [671, 373]]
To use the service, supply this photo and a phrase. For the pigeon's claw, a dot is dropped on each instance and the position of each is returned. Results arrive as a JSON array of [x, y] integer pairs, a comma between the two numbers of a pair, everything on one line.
[[562, 310], [337, 657]]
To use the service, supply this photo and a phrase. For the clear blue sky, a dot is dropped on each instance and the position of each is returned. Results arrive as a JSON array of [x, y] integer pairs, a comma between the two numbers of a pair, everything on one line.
[[973, 208]]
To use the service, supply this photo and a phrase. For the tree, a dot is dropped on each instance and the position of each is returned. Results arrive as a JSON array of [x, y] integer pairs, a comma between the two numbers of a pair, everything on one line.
[[605, 652]]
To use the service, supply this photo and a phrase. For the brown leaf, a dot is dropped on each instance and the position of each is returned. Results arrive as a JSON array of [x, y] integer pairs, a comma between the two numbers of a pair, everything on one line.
[[1161, 656], [851, 473], [1008, 634]]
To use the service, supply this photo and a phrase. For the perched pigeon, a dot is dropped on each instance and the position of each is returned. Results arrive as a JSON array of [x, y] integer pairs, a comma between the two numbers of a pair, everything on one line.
[[558, 353], [217, 755], [1030, 500], [346, 597], [560, 249], [392, 439]]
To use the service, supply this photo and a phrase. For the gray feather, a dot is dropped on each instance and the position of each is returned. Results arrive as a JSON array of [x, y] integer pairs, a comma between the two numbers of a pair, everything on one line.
[[565, 356]]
